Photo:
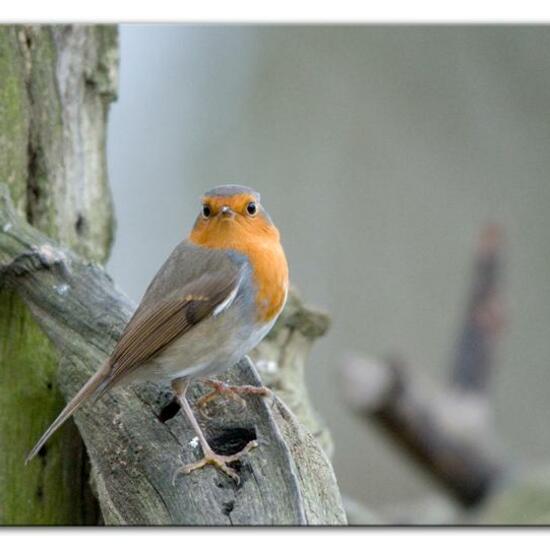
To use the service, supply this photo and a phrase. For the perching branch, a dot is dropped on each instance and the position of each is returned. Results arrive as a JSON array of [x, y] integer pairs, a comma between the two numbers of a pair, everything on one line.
[[448, 432], [286, 480]]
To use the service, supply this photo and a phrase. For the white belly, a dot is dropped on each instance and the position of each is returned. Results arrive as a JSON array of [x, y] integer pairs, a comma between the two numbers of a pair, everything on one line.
[[204, 350]]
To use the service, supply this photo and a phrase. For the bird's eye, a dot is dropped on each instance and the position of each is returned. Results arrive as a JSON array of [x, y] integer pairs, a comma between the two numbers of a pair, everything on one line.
[[206, 211], [251, 208]]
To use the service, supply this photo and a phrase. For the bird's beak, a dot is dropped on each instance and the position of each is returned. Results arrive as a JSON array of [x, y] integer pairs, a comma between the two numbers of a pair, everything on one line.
[[226, 212]]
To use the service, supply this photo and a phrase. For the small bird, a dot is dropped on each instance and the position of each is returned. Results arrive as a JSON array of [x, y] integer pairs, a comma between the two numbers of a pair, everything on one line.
[[214, 299]]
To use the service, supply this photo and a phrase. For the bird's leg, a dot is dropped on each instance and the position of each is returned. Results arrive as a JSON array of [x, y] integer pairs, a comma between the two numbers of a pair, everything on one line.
[[210, 457], [234, 392]]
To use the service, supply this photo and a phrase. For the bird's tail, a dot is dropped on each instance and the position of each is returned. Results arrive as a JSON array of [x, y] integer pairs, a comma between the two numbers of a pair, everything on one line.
[[94, 386]]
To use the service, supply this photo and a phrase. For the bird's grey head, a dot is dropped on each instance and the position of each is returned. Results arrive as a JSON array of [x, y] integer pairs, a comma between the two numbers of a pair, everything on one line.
[[232, 190]]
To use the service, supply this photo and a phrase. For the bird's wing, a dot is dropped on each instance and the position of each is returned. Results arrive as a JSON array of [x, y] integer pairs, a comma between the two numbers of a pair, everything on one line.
[[193, 284], [160, 320]]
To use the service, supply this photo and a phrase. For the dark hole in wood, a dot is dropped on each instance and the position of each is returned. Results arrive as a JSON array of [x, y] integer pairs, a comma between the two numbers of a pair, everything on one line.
[[49, 385], [33, 188], [40, 492], [43, 452], [169, 411], [231, 440], [227, 507], [90, 83], [79, 224]]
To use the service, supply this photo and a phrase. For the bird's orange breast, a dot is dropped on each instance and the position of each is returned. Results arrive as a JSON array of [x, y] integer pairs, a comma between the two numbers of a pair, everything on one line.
[[271, 275], [266, 257]]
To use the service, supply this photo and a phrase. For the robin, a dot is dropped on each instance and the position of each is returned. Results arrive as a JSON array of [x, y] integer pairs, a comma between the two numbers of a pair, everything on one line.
[[214, 299]]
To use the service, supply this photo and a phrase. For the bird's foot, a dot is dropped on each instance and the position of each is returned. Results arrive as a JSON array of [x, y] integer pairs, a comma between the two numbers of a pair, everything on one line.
[[219, 461], [233, 392]]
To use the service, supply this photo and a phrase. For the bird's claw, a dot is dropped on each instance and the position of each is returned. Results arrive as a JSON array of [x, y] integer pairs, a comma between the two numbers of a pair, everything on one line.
[[233, 392], [218, 461]]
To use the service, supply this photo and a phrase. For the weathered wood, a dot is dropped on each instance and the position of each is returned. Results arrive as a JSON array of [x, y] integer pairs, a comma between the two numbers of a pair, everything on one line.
[[281, 362], [56, 83], [286, 480]]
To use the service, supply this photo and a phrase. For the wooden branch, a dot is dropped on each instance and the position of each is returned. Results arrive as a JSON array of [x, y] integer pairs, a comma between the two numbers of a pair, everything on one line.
[[444, 433], [484, 320], [281, 362], [286, 480], [56, 83], [448, 433]]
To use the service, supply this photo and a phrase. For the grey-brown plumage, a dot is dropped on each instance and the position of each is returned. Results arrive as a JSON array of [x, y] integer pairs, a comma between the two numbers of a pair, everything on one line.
[[231, 191], [185, 292]]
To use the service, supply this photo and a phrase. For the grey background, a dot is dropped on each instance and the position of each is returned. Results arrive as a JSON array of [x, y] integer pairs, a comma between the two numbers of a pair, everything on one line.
[[380, 152]]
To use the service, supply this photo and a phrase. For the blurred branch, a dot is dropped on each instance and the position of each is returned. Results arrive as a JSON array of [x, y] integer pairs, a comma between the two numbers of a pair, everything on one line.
[[133, 452], [448, 433], [444, 435], [484, 317]]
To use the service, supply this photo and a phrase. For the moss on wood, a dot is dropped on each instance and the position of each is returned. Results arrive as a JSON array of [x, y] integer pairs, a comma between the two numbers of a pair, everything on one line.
[[42, 493], [53, 160]]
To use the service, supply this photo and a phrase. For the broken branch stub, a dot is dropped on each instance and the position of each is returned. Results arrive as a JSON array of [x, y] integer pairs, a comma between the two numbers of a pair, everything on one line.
[[444, 432]]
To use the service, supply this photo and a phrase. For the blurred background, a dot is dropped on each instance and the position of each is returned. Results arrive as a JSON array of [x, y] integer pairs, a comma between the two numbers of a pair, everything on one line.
[[380, 152]]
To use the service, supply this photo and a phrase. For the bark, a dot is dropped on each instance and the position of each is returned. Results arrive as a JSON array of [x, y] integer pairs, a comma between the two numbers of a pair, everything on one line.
[[133, 440], [281, 361], [56, 83]]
